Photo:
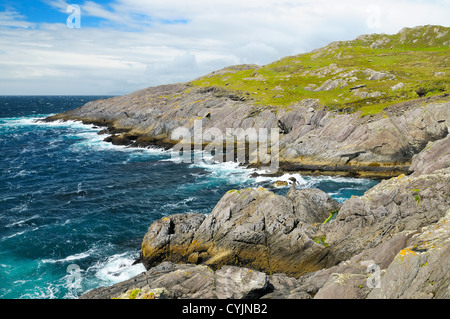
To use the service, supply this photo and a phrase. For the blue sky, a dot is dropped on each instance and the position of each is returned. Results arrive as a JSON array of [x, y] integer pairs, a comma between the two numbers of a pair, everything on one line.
[[38, 11], [126, 45]]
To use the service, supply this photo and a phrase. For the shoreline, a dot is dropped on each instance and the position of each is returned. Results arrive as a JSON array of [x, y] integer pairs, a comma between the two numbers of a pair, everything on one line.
[[378, 225], [120, 137]]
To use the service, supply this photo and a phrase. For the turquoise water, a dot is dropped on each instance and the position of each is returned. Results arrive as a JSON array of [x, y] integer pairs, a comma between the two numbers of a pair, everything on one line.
[[68, 198]]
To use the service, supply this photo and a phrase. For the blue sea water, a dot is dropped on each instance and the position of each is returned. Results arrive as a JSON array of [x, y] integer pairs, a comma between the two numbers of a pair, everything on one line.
[[69, 198]]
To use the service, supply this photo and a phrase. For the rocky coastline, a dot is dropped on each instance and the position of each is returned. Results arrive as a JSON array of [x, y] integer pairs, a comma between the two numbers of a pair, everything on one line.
[[319, 143], [392, 242]]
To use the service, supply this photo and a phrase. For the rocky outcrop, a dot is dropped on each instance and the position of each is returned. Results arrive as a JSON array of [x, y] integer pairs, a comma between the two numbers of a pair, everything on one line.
[[312, 140], [347, 143], [404, 218], [393, 242], [253, 228], [420, 270], [188, 281]]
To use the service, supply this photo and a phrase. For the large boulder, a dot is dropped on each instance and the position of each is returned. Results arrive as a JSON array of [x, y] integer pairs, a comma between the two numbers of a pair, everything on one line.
[[251, 228], [181, 281]]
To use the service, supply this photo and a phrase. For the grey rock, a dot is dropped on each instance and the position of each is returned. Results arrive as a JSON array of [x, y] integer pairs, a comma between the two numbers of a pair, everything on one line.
[[312, 205], [420, 271], [330, 85], [342, 286], [345, 143], [185, 281], [401, 204], [397, 86], [436, 155], [252, 228], [311, 141], [240, 283]]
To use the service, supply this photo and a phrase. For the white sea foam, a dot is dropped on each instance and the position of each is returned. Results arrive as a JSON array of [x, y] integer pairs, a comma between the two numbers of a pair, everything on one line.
[[117, 268], [37, 120], [89, 139], [173, 204], [22, 221], [70, 258], [230, 171], [14, 235], [301, 182], [19, 208]]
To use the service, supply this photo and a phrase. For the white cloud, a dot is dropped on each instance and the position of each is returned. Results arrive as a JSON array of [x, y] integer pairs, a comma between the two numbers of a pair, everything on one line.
[[143, 43], [14, 19]]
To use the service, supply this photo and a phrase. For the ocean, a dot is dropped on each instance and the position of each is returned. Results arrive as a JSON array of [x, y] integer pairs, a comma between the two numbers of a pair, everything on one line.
[[68, 199]]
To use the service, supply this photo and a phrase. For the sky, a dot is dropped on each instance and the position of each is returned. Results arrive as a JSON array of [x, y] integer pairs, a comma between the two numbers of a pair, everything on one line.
[[77, 47]]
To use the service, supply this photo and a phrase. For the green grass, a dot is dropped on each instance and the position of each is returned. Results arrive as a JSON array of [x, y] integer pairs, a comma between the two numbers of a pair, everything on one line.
[[321, 240], [332, 216], [414, 62], [417, 196]]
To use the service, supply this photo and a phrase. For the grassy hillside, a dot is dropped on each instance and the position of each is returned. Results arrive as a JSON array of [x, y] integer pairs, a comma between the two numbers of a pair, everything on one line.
[[367, 74]]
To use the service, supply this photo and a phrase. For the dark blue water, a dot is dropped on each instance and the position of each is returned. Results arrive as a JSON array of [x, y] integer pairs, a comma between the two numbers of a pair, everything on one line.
[[68, 198]]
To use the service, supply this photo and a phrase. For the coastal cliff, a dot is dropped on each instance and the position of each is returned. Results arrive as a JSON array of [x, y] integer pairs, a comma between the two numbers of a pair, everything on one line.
[[357, 108], [377, 106]]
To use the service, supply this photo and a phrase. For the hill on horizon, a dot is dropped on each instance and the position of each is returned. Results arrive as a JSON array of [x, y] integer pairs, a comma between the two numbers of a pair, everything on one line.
[[368, 73]]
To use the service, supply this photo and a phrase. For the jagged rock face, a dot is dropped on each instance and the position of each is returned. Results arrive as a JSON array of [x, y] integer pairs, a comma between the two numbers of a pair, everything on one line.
[[389, 222], [311, 138], [423, 266], [435, 156], [349, 142], [401, 204], [252, 227]]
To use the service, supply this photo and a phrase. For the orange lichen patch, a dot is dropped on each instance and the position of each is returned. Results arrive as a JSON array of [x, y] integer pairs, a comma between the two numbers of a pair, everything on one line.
[[196, 243], [405, 252]]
